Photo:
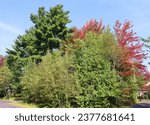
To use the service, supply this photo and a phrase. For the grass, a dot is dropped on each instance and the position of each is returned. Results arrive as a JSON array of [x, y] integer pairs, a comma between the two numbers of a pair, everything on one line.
[[145, 100], [22, 104]]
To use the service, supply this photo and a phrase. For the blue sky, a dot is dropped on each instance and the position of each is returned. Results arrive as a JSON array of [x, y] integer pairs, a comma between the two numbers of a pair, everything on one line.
[[15, 15]]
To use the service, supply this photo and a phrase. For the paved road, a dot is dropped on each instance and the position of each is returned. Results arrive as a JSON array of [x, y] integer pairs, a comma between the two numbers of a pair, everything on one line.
[[141, 105], [7, 104]]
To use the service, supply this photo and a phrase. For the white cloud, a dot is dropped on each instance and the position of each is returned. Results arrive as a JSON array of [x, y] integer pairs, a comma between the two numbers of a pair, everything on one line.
[[10, 29]]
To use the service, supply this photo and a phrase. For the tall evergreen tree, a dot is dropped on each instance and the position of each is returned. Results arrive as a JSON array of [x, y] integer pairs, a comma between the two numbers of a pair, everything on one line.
[[47, 34]]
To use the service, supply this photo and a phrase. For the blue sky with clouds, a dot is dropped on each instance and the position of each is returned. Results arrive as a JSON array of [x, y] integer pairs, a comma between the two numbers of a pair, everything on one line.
[[15, 15]]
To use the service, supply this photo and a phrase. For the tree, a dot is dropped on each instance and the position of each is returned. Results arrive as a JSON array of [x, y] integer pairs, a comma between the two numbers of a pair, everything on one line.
[[130, 63], [132, 55], [100, 85], [48, 33]]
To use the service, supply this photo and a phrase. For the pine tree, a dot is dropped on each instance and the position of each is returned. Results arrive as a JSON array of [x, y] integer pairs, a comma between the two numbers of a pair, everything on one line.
[[47, 34], [50, 28]]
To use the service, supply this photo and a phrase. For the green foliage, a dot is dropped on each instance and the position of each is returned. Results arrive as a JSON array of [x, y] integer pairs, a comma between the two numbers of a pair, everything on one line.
[[100, 85], [5, 80], [48, 32], [50, 28], [148, 94], [147, 43], [86, 77], [131, 88], [52, 83]]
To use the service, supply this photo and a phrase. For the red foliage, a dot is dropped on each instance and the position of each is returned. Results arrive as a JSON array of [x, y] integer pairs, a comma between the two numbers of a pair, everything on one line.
[[147, 76], [92, 25], [1, 60], [145, 88], [132, 54]]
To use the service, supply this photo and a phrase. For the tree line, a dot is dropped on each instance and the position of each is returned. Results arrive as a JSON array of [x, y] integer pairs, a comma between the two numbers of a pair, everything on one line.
[[52, 65]]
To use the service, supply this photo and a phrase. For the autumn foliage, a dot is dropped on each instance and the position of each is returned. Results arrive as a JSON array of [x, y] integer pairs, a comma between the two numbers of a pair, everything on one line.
[[131, 49], [129, 54], [80, 33], [92, 25]]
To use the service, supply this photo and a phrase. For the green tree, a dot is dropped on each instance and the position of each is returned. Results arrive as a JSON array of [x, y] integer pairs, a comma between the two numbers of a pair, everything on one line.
[[100, 84], [51, 29], [23, 49], [47, 34]]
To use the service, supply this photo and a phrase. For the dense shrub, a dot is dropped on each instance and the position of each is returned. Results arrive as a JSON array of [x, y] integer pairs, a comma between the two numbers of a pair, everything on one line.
[[52, 83]]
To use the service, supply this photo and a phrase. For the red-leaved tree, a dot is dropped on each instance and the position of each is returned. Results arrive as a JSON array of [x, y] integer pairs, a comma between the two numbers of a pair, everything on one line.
[[131, 49]]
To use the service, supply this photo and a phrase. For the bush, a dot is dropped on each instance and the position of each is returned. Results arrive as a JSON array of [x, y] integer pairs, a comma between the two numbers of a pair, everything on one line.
[[52, 83]]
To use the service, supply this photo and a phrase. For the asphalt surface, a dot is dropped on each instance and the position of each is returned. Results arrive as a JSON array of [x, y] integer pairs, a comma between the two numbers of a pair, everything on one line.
[[141, 105], [7, 104]]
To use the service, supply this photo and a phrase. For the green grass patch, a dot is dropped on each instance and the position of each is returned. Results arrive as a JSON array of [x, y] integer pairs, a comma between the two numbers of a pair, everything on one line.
[[23, 104], [144, 101]]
